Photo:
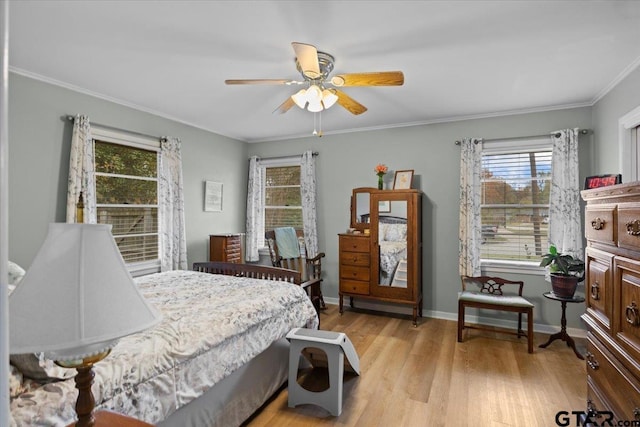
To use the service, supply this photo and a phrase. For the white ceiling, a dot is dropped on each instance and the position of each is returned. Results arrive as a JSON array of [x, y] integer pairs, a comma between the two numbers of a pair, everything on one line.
[[460, 59]]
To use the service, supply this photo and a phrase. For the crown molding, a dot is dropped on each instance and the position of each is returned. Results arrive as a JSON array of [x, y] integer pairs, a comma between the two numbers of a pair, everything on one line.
[[628, 70], [127, 104]]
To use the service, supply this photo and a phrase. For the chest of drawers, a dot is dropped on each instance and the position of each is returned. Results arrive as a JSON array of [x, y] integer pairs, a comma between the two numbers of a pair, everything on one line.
[[225, 247], [355, 272], [612, 290]]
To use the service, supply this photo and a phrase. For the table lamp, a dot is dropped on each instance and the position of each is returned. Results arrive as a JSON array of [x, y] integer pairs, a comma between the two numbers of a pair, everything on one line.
[[74, 303]]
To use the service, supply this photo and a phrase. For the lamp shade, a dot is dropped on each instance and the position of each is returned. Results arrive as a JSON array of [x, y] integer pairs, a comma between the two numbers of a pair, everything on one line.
[[77, 298]]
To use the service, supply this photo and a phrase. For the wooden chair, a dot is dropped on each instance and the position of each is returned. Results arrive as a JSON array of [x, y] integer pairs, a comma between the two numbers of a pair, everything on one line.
[[310, 268], [486, 292]]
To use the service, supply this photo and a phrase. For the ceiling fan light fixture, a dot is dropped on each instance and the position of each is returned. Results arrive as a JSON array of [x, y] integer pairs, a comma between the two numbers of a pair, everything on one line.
[[300, 98], [328, 98], [315, 106], [314, 94]]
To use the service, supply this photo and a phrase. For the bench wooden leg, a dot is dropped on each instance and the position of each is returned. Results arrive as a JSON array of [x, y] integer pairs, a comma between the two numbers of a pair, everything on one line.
[[530, 329], [460, 320]]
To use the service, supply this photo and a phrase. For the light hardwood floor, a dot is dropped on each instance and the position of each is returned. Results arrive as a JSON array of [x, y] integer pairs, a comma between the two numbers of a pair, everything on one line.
[[423, 377]]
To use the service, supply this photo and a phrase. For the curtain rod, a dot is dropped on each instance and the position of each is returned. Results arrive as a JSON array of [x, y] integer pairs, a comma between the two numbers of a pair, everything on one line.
[[557, 135], [293, 156], [159, 138]]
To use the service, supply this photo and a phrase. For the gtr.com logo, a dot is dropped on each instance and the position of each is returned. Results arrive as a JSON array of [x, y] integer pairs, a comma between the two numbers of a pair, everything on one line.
[[590, 418]]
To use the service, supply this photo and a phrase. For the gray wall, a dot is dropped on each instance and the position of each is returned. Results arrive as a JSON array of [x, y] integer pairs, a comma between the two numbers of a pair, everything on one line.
[[39, 146], [40, 139], [606, 112], [346, 161]]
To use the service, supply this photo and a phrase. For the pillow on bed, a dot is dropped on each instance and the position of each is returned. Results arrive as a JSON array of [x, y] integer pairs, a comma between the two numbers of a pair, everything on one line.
[[395, 232], [15, 382], [36, 367], [15, 273]]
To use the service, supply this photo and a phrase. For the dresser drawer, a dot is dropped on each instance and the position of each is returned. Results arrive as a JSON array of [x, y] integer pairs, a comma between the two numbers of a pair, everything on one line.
[[355, 273], [597, 403], [354, 286], [629, 226], [354, 258], [354, 243], [627, 305], [613, 380], [598, 287], [599, 223]]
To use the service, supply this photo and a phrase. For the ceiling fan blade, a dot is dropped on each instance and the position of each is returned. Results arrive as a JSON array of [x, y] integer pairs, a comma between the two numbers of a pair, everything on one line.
[[262, 82], [285, 106], [307, 57], [384, 78], [353, 106]]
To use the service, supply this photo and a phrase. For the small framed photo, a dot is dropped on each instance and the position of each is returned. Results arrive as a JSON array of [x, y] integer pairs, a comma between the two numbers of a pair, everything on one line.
[[598, 181], [384, 206], [402, 179], [212, 196]]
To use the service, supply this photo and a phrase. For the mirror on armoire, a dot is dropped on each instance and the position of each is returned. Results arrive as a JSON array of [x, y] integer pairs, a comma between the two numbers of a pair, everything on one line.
[[360, 208], [392, 243]]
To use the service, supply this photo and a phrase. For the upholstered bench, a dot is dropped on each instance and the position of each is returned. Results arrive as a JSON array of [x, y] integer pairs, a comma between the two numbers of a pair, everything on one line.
[[486, 292], [336, 345]]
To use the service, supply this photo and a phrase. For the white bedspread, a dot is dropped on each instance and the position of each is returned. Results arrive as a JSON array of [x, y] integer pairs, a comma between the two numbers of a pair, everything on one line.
[[211, 326]]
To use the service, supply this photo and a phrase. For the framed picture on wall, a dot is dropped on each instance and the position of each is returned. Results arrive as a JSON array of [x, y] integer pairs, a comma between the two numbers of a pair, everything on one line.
[[384, 206], [212, 196], [598, 181], [402, 179]]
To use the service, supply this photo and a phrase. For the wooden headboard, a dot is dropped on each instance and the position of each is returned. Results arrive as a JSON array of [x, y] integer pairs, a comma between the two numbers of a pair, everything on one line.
[[254, 271]]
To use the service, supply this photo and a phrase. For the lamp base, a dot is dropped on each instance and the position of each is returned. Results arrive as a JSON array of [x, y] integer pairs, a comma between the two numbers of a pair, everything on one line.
[[84, 380], [112, 419]]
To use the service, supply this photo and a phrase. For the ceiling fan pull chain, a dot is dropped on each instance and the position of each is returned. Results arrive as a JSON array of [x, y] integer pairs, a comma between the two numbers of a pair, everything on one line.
[[315, 132]]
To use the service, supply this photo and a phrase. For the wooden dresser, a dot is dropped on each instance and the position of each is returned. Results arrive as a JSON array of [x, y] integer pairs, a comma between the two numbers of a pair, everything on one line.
[[386, 264], [226, 247], [355, 272], [612, 290]]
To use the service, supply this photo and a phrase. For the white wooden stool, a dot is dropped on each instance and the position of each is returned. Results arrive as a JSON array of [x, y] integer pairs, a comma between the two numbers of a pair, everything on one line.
[[336, 345]]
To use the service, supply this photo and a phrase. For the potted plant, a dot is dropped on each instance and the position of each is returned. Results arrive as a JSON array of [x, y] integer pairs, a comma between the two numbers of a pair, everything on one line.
[[565, 272]]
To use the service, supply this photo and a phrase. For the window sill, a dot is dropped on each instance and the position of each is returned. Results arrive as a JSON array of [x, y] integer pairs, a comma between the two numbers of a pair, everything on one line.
[[490, 267], [143, 268]]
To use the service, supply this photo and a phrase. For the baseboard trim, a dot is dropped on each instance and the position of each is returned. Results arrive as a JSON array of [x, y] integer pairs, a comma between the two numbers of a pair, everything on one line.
[[486, 321]]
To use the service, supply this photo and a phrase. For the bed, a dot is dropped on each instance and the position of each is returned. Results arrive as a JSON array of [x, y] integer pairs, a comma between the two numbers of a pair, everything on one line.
[[217, 356]]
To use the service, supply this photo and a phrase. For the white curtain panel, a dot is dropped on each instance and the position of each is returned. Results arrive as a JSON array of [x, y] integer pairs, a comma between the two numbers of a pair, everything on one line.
[[470, 238], [173, 243], [308, 193], [565, 231], [255, 211], [81, 173]]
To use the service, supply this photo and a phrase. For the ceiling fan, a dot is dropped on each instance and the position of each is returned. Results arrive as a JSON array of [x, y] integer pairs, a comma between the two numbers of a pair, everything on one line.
[[321, 91]]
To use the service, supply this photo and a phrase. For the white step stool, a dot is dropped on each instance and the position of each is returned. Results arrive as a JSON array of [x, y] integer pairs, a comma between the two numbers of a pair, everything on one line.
[[336, 345]]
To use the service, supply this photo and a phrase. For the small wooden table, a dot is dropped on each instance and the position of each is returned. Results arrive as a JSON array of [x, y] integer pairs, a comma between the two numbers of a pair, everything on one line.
[[113, 419], [563, 335]]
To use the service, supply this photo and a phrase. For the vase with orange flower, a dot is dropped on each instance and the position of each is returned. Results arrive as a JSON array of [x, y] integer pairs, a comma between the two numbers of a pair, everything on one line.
[[380, 170]]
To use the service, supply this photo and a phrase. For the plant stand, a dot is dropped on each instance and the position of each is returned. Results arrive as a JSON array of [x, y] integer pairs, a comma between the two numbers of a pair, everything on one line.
[[563, 335]]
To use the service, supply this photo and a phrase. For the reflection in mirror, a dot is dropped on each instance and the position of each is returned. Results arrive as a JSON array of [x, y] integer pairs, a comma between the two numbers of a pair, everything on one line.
[[361, 207], [392, 240]]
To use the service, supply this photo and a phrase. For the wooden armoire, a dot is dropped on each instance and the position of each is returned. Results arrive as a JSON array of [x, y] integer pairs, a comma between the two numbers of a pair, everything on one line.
[[381, 257], [612, 290]]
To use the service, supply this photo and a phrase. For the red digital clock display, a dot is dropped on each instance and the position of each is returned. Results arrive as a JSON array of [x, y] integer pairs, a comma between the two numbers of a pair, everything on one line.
[[602, 181]]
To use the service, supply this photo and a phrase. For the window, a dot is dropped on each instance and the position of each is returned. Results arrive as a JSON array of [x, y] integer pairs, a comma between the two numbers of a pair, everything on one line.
[[516, 182], [283, 202], [126, 171]]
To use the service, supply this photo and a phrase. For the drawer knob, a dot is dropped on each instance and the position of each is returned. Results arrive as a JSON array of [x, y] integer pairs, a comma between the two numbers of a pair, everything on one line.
[[597, 223], [633, 227], [592, 362], [595, 291], [631, 314]]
